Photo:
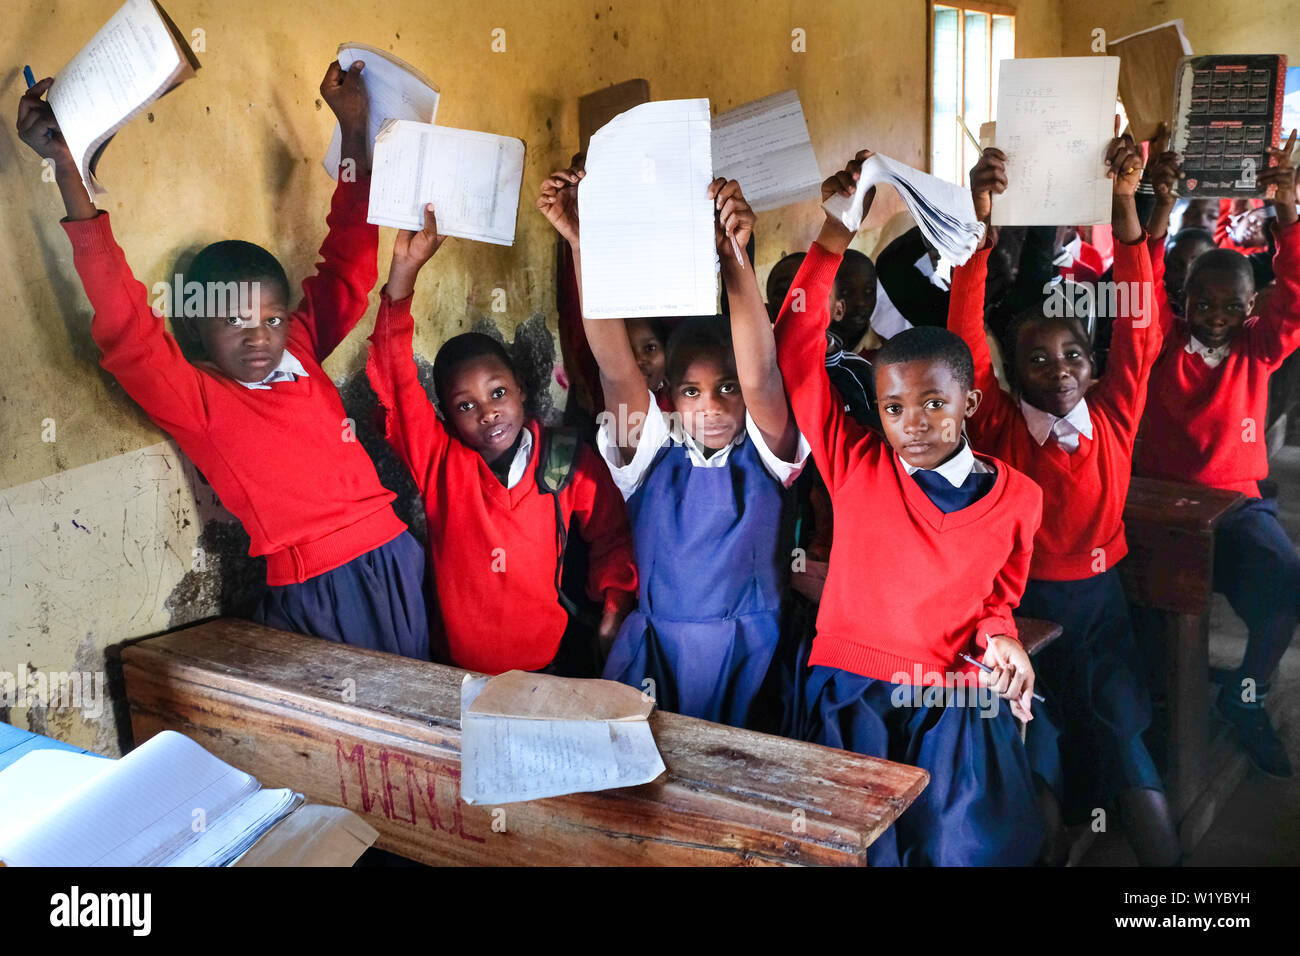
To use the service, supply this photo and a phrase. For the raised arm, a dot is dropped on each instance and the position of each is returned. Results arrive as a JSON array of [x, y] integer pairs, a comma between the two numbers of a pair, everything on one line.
[[410, 423], [138, 350], [1276, 334], [837, 441], [337, 295], [621, 380], [751, 329], [1137, 332]]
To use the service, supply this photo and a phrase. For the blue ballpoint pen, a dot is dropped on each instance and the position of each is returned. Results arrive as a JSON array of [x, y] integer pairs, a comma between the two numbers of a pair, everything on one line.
[[988, 670]]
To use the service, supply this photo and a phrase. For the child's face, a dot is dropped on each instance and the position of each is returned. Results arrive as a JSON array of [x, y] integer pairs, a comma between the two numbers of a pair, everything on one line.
[[709, 401], [1177, 259], [779, 281], [922, 406], [649, 352], [248, 343], [853, 299], [1053, 366], [1217, 305], [1201, 214], [484, 405]]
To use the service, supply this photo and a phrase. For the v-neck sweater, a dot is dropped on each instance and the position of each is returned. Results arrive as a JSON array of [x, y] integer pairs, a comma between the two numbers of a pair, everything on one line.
[[908, 588], [1082, 533]]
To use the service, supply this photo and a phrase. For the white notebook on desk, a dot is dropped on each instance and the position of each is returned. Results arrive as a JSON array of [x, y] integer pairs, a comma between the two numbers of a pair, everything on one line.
[[167, 803], [647, 220], [472, 179]]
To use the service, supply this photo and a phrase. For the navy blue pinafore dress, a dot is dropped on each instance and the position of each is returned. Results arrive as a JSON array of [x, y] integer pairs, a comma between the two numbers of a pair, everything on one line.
[[712, 569]]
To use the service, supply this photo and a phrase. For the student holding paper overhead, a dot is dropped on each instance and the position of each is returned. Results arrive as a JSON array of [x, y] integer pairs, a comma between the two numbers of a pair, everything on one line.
[[1073, 434], [500, 493], [704, 484], [257, 414]]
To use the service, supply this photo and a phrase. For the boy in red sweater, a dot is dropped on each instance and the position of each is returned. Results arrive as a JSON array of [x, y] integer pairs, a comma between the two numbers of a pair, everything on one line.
[[892, 683], [259, 416], [496, 537], [1205, 424], [1073, 434]]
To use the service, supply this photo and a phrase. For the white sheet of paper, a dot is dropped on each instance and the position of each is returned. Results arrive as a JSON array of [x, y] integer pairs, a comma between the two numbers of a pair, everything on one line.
[[1056, 115], [472, 179], [765, 147], [943, 210], [139, 813], [647, 221], [126, 64], [395, 90], [504, 760]]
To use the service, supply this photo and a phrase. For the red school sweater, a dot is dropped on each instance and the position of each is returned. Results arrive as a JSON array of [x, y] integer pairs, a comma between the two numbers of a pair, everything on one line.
[[1206, 425], [494, 550], [1082, 533], [909, 587], [284, 461]]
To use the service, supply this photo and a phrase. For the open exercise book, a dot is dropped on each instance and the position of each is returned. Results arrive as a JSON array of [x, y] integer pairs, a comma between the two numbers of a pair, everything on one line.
[[396, 90], [1056, 116], [167, 803], [765, 147], [527, 736], [647, 220], [944, 211], [472, 179], [137, 56]]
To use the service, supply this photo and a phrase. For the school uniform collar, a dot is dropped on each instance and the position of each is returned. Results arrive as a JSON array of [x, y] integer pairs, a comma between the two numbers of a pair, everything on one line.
[[696, 451], [956, 469], [288, 369], [519, 464], [1211, 356], [1042, 425]]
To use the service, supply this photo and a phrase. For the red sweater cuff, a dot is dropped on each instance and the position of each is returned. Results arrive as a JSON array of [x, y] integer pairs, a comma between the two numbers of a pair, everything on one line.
[[995, 627], [90, 236]]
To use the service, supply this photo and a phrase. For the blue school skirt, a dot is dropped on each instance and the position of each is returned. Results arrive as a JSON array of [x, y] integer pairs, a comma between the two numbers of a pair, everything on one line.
[[1090, 749], [979, 807], [374, 601], [712, 569]]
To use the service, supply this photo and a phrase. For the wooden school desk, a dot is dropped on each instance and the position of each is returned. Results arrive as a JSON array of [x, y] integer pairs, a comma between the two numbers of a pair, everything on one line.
[[1170, 567], [380, 734]]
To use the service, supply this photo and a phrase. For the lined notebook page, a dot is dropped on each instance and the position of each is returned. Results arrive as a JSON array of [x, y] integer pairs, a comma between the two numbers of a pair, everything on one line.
[[126, 65], [140, 813], [1056, 116], [765, 147], [396, 90], [472, 179], [647, 221]]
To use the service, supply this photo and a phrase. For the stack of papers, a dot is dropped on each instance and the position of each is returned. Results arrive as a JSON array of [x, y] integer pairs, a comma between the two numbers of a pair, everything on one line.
[[472, 179], [527, 736], [647, 221], [396, 90], [943, 210], [166, 803], [765, 147]]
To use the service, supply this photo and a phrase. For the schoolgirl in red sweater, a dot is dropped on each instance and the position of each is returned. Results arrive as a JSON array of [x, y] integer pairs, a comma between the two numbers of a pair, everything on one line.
[[258, 415], [1073, 434], [1205, 424], [930, 555], [496, 536]]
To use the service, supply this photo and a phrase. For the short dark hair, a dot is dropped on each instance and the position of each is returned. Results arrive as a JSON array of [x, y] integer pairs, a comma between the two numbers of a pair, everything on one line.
[[1219, 262], [693, 338], [231, 260], [1193, 234], [792, 257], [929, 343], [458, 350], [1034, 315], [853, 261]]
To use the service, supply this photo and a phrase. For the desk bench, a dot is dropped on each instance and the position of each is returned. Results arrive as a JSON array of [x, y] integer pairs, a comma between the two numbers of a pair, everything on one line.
[[380, 735]]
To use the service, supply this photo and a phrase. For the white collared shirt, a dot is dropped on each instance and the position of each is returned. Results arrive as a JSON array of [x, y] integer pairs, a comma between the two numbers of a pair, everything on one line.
[[519, 464], [957, 468], [1067, 430], [1212, 356], [288, 369], [656, 433]]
